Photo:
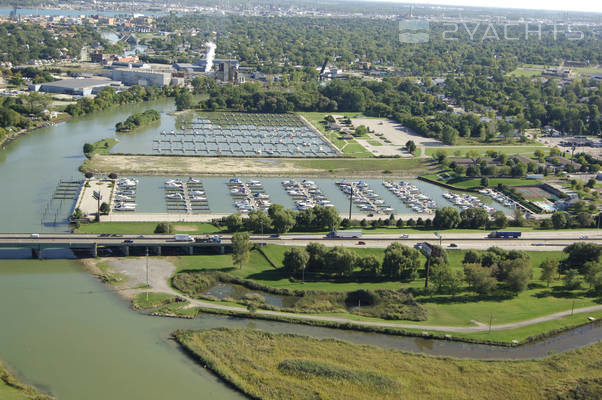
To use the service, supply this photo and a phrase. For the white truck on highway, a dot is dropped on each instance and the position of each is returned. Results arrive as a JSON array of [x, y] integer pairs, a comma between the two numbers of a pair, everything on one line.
[[183, 238], [344, 235]]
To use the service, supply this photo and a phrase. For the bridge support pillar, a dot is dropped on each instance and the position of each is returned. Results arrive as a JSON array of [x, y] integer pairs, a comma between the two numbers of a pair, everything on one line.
[[158, 250], [94, 251], [221, 250], [126, 251], [190, 250], [36, 253]]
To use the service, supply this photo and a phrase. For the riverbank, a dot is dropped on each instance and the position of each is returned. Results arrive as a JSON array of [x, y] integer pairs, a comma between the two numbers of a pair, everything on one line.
[[264, 365], [9, 138], [125, 164], [162, 269], [12, 389]]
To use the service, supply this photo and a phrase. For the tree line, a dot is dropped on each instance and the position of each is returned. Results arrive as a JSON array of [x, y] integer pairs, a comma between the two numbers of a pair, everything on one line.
[[137, 120]]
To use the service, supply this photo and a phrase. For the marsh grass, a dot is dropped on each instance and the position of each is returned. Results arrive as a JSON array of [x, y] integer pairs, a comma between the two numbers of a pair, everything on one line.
[[275, 366]]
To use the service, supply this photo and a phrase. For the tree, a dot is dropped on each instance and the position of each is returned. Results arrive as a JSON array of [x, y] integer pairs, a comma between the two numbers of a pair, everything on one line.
[[163, 227], [446, 218], [370, 265], [572, 280], [516, 274], [234, 222], [411, 146], [283, 220], [579, 253], [499, 219], [549, 270], [484, 181], [400, 262], [317, 253], [240, 248], [88, 148], [340, 260], [479, 279], [560, 219], [474, 217], [471, 257], [183, 100], [105, 208], [444, 279], [258, 222], [295, 261], [326, 217]]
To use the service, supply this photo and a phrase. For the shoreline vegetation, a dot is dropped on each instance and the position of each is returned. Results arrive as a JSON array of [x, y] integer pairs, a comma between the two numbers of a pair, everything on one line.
[[267, 366], [11, 388], [6, 139], [137, 121]]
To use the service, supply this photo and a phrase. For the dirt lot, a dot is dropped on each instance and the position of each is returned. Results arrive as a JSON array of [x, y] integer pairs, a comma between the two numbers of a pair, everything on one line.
[[396, 133]]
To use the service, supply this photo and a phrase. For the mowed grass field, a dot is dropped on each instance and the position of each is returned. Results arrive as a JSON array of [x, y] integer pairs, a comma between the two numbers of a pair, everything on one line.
[[447, 310], [270, 366], [460, 151]]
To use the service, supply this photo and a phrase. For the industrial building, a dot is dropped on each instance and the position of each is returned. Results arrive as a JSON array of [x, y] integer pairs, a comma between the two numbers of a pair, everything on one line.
[[217, 62], [81, 87], [141, 76]]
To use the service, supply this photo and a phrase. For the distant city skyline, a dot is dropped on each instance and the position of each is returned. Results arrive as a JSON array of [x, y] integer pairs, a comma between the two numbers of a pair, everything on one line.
[[548, 5]]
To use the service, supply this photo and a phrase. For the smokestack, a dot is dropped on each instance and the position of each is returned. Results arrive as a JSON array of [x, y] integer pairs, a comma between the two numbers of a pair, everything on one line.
[[210, 56]]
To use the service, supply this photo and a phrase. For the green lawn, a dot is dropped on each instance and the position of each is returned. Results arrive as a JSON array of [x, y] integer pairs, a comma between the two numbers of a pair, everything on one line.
[[140, 228], [103, 146], [520, 72], [354, 149], [374, 142], [476, 182], [450, 310], [353, 167], [461, 151]]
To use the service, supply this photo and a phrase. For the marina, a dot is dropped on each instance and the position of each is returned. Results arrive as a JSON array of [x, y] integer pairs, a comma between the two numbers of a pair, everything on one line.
[[145, 198], [244, 135]]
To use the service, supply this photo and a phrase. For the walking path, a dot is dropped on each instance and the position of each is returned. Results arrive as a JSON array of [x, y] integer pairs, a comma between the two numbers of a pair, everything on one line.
[[160, 270]]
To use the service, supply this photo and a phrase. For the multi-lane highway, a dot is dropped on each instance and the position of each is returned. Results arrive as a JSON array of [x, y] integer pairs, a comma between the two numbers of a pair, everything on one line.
[[535, 240]]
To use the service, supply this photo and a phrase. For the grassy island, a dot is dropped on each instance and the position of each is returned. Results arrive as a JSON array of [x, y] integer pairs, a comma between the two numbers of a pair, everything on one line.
[[273, 366], [138, 120]]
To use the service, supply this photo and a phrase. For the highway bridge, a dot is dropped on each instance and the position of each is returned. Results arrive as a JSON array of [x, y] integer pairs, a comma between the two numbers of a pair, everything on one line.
[[92, 245]]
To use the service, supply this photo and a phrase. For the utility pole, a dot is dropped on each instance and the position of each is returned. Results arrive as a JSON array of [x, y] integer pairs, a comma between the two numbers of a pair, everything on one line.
[[490, 320], [147, 283], [350, 200]]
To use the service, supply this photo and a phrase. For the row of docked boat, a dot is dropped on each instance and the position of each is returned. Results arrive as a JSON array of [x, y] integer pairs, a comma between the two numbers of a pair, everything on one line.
[[364, 197], [249, 196], [125, 194], [466, 201], [306, 194], [499, 197], [411, 196]]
